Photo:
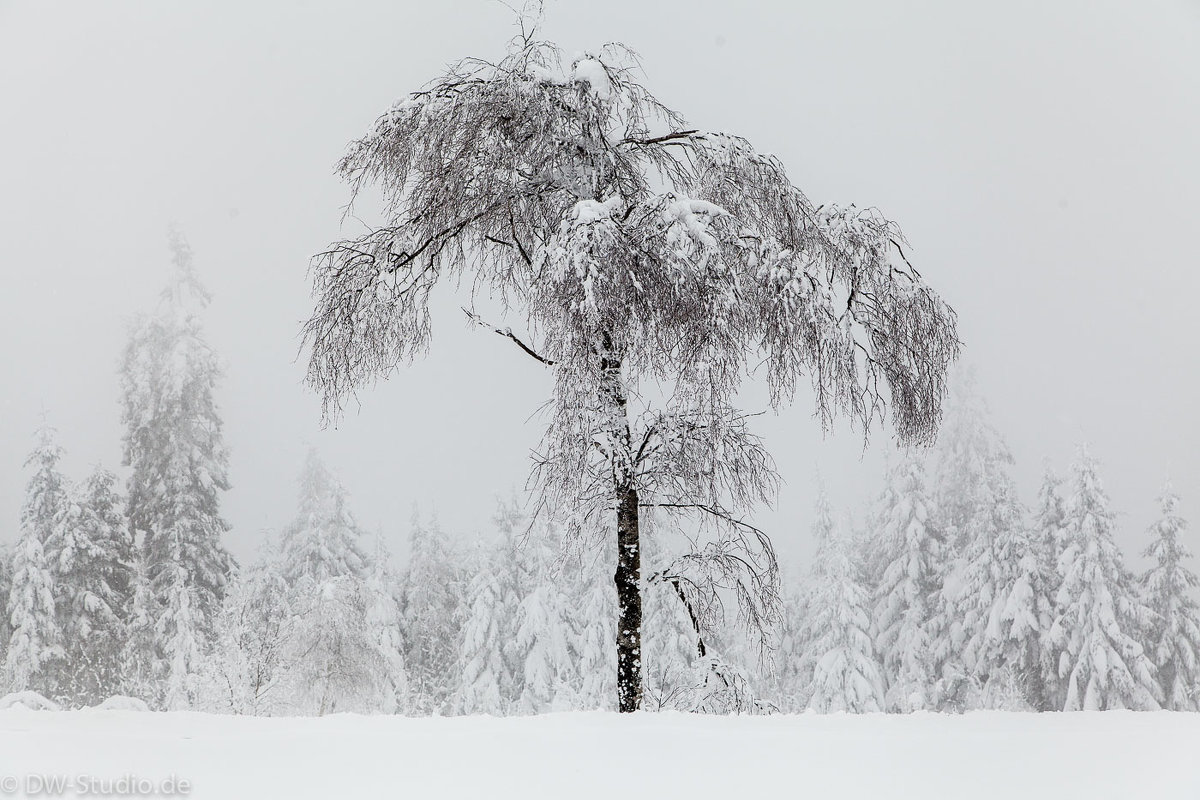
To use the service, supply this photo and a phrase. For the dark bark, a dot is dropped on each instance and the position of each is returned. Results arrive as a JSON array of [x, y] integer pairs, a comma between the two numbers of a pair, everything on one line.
[[629, 602], [628, 576]]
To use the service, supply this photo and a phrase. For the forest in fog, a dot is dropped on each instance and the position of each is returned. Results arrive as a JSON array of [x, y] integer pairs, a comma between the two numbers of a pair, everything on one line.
[[950, 592]]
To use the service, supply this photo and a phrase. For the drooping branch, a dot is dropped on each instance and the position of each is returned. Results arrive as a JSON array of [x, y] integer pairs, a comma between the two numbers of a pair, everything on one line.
[[508, 334]]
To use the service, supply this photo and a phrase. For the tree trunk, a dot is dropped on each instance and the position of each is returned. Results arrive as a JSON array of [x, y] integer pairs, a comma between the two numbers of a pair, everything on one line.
[[629, 602], [628, 576]]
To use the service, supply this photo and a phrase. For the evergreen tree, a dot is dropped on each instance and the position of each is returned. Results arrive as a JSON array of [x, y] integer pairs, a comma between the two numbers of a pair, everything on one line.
[[671, 646], [543, 632], [431, 590], [6, 557], [1050, 538], [1050, 526], [1100, 617], [173, 443], [846, 674], [982, 528], [323, 541], [93, 555], [35, 647], [384, 623], [810, 628], [906, 590], [487, 681], [1014, 644], [141, 666], [1168, 587], [786, 678], [594, 632]]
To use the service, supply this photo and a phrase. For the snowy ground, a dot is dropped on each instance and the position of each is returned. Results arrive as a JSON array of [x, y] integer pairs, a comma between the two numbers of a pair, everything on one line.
[[981, 755]]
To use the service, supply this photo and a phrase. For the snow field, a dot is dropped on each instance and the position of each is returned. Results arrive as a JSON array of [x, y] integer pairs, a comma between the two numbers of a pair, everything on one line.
[[1118, 755]]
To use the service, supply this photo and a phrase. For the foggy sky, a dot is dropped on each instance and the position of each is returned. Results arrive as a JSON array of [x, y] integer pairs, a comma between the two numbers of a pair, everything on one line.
[[1042, 159]]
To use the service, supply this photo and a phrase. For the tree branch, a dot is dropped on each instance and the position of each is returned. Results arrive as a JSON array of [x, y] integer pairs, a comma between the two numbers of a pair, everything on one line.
[[508, 334]]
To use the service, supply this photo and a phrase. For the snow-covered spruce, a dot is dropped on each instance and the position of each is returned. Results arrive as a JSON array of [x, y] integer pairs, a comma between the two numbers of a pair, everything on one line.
[[846, 675], [430, 590], [907, 589], [994, 604], [1050, 539], [1169, 590], [1099, 614], [91, 555], [35, 646], [179, 466]]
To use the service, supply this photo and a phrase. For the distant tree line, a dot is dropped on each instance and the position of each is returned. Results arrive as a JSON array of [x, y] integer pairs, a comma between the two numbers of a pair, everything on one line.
[[948, 595]]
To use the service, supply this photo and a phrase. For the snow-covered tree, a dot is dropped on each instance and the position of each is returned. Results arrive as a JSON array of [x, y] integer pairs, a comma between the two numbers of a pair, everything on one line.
[[334, 661], [1100, 616], [638, 251], [5, 588], [323, 541], [245, 672], [430, 594], [543, 631], [1050, 525], [1051, 538], [906, 591], [994, 606], [1016, 645], [594, 631], [35, 647], [92, 562], [340, 647], [1169, 589], [179, 467], [810, 629], [384, 622], [671, 645], [141, 666], [846, 674], [487, 681], [786, 679]]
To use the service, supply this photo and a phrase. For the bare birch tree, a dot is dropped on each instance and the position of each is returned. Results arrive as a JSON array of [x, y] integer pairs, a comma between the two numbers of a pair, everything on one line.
[[643, 258]]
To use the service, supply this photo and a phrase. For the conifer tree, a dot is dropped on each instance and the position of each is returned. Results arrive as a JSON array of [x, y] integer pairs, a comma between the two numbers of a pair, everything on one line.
[[671, 645], [93, 556], [594, 613], [1050, 537], [543, 629], [846, 674], [1100, 616], [6, 557], [1017, 642], [431, 590], [141, 664], [487, 681], [323, 541], [978, 513], [1169, 587], [907, 589], [810, 629], [35, 647], [174, 446], [385, 628]]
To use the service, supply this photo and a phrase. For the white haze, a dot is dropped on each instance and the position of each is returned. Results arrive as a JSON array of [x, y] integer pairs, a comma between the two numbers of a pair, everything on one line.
[[1041, 158]]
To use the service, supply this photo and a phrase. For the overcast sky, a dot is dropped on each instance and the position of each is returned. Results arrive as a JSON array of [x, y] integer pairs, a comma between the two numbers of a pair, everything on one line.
[[1042, 158]]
